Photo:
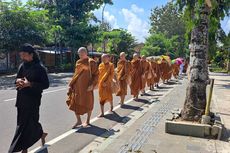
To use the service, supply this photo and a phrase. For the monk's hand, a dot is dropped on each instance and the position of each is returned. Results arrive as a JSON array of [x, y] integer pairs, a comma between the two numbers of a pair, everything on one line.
[[143, 76], [90, 88]]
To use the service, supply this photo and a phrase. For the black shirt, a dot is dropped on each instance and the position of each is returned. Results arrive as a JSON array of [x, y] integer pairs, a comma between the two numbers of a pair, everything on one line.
[[36, 74]]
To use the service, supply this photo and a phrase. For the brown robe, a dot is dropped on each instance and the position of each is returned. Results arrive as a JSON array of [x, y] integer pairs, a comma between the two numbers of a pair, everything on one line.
[[150, 81], [145, 70], [80, 100], [136, 77], [175, 70], [158, 73], [123, 72], [106, 75], [166, 70]]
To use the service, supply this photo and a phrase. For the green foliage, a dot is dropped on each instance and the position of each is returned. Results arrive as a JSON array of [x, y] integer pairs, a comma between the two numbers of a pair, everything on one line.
[[159, 44], [167, 20], [218, 10], [118, 40], [20, 25], [167, 32]]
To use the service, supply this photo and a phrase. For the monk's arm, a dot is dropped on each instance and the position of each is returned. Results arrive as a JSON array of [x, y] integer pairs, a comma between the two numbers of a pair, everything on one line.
[[111, 75], [94, 70]]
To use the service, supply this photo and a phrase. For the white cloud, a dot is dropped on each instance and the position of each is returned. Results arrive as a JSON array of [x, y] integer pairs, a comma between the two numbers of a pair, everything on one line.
[[136, 25], [111, 19], [136, 9]]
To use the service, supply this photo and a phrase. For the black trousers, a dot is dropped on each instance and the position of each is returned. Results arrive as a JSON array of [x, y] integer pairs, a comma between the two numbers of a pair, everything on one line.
[[28, 130]]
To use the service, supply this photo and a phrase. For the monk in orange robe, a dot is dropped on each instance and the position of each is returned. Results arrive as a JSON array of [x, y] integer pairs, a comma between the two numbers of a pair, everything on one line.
[[145, 70], [175, 70], [150, 79], [136, 76], [169, 72], [106, 75], [80, 95], [123, 73], [158, 74], [164, 70]]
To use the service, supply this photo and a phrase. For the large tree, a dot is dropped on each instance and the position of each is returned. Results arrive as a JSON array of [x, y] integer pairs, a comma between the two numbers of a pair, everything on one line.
[[19, 25], [159, 44], [204, 16], [118, 40], [168, 20]]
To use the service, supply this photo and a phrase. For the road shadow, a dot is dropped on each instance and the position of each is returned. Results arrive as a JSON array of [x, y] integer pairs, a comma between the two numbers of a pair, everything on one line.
[[225, 135], [171, 83], [164, 88], [125, 106], [93, 130], [223, 86], [117, 118], [145, 101]]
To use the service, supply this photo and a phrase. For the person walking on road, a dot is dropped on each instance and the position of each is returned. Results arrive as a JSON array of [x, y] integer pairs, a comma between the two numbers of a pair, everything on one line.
[[145, 71], [30, 82], [106, 75], [137, 75], [80, 94], [123, 76]]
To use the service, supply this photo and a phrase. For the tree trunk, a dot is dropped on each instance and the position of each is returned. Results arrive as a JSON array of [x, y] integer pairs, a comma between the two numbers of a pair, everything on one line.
[[195, 101]]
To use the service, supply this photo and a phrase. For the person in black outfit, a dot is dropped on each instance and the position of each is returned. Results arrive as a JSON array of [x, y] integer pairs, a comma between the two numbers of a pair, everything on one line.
[[30, 82]]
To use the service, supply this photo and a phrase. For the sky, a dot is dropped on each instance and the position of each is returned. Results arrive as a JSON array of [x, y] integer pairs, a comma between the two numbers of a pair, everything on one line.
[[133, 15]]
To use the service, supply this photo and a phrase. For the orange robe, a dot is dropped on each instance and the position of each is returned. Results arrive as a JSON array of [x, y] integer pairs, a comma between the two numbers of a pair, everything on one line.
[[106, 75], [175, 69], [145, 70], [150, 81], [166, 70], [170, 70], [123, 72], [136, 74], [79, 99], [156, 77], [157, 72]]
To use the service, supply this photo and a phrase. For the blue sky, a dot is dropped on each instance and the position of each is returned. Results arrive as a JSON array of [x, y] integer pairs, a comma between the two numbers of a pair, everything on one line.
[[133, 15]]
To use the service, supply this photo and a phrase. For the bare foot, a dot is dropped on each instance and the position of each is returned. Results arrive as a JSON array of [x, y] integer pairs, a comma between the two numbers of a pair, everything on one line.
[[101, 115], [85, 125], [78, 124], [43, 138]]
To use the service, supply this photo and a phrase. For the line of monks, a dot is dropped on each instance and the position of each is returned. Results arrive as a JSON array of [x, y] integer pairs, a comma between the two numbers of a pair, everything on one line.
[[136, 74]]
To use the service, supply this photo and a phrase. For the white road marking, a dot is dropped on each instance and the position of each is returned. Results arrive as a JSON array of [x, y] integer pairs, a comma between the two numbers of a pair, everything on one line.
[[46, 92], [64, 135], [10, 99]]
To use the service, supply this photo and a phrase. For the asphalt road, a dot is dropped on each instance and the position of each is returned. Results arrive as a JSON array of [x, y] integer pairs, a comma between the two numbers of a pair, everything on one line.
[[55, 117]]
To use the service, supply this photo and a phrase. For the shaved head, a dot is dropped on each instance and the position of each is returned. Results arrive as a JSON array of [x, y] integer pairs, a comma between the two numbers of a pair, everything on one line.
[[82, 49], [135, 55], [122, 55], [82, 52], [105, 58]]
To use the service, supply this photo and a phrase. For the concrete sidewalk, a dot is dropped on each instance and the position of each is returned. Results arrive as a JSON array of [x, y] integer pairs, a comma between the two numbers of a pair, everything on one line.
[[147, 134]]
